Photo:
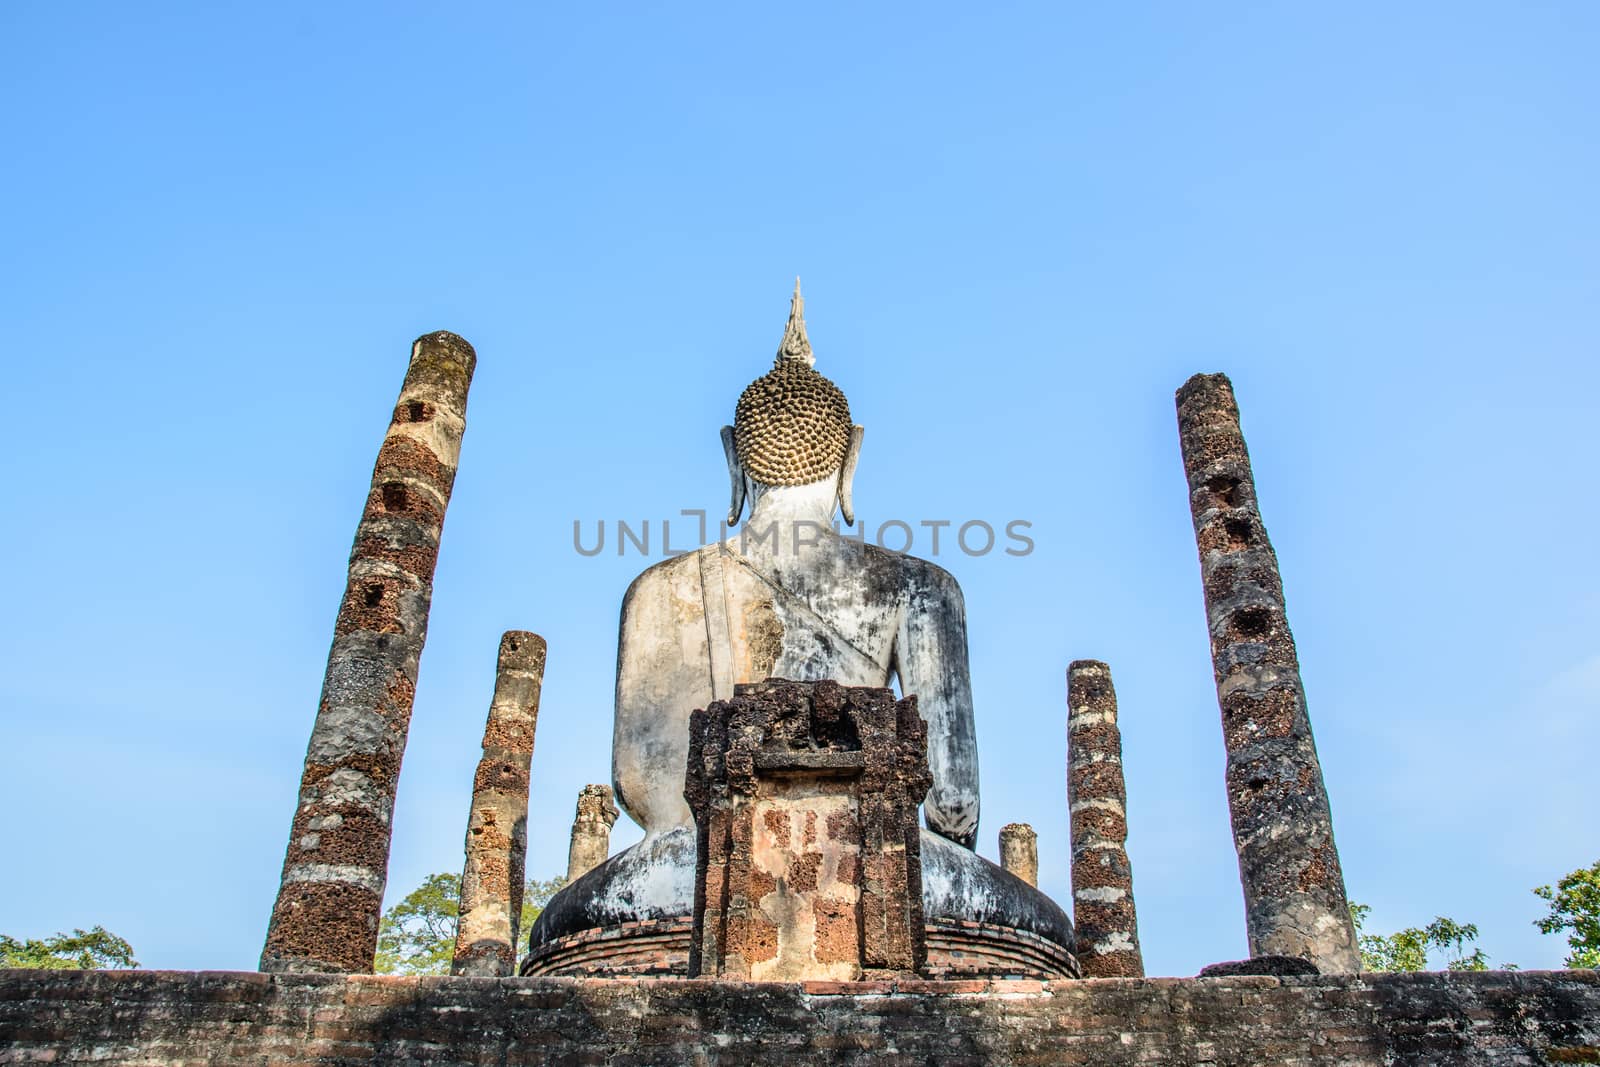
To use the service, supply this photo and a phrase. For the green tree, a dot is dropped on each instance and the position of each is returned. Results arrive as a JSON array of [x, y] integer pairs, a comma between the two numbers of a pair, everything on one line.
[[1408, 949], [80, 950], [418, 935], [536, 893], [1575, 906]]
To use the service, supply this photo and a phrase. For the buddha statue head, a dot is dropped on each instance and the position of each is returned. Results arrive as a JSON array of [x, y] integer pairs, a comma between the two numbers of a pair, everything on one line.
[[792, 429]]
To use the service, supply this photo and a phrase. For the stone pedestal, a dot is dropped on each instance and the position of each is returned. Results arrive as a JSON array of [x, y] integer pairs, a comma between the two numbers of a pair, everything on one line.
[[809, 864]]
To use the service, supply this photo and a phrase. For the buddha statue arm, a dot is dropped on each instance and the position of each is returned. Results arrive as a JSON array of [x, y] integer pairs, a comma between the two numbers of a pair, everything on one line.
[[662, 676], [931, 660]]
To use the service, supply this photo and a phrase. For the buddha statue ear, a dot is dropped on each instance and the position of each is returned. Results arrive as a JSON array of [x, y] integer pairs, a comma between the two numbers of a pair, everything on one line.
[[847, 475], [735, 476]]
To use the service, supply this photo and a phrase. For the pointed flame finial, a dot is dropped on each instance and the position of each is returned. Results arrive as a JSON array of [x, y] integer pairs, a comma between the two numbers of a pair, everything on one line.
[[795, 344]]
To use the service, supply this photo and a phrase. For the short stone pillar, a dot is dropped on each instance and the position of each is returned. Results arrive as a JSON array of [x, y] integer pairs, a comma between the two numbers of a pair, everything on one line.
[[591, 831], [1294, 892], [497, 826], [1097, 799], [326, 915], [1019, 852], [805, 801]]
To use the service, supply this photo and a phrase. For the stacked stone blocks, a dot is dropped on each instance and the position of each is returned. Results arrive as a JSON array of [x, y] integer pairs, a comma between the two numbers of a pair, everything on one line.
[[1496, 1019], [805, 799]]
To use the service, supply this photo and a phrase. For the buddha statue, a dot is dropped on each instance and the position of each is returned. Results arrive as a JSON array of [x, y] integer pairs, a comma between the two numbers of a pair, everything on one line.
[[787, 596]]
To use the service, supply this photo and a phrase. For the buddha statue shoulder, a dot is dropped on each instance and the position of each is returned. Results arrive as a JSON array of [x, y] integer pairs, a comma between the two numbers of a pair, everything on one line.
[[788, 597]]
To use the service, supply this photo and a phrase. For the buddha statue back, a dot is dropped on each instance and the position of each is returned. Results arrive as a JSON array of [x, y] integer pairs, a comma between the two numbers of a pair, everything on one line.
[[787, 596]]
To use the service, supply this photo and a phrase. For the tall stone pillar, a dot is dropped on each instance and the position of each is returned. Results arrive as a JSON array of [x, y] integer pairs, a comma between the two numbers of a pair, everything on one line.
[[1293, 887], [591, 831], [1102, 878], [497, 828], [1019, 852], [326, 915]]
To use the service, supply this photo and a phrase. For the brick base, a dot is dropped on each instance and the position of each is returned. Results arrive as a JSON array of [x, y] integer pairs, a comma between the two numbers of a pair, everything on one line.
[[984, 950], [661, 949], [636, 950]]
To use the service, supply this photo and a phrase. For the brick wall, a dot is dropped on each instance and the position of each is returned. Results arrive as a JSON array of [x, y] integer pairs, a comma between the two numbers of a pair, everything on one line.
[[660, 948], [170, 1017]]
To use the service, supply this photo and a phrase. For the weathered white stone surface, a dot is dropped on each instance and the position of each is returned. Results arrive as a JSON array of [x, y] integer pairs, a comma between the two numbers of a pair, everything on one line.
[[801, 603]]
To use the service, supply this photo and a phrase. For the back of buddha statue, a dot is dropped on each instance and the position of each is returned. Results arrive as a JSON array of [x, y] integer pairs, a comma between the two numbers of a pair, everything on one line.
[[788, 597]]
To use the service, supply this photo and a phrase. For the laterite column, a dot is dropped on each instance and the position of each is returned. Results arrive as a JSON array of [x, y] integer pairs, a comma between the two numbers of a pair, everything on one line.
[[1097, 799], [326, 915], [1293, 887], [1019, 852], [591, 831], [497, 828]]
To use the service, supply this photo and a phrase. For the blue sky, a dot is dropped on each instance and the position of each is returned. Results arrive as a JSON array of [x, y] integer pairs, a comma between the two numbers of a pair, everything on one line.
[[1021, 227]]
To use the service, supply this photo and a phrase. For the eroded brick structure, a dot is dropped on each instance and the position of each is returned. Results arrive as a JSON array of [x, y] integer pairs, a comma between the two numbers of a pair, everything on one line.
[[1492, 1019], [497, 827], [1097, 799], [805, 801], [1293, 887], [1019, 851], [591, 831], [326, 914]]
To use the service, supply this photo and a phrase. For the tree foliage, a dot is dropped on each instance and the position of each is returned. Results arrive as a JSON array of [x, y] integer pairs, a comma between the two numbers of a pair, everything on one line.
[[81, 950], [418, 935], [536, 893], [1407, 950], [1575, 907]]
